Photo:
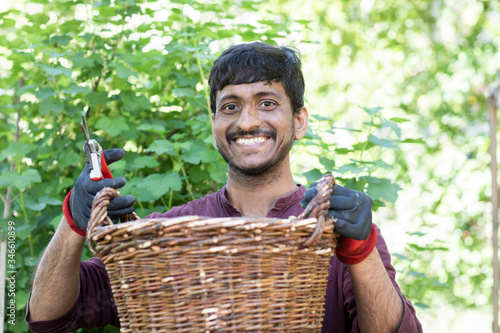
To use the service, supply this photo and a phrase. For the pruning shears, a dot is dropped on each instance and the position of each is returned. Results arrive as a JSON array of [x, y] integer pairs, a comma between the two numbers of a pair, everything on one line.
[[95, 157]]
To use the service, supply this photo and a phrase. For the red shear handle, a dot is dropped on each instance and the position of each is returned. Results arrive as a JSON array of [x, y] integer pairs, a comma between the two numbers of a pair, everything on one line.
[[104, 169]]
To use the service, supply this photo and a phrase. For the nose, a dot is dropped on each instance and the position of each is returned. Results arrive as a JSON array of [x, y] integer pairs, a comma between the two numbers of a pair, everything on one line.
[[249, 119]]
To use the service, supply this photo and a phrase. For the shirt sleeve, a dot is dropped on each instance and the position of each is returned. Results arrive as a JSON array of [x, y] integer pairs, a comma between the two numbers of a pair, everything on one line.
[[94, 306], [409, 322]]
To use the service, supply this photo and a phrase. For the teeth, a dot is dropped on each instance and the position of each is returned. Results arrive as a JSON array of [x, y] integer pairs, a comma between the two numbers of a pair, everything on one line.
[[251, 141]]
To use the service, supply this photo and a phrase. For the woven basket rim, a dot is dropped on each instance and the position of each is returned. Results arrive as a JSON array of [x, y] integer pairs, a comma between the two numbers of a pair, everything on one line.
[[198, 222]]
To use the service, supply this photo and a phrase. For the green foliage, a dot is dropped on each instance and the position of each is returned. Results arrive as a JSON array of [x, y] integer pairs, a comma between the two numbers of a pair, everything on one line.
[[357, 165], [428, 64], [139, 70]]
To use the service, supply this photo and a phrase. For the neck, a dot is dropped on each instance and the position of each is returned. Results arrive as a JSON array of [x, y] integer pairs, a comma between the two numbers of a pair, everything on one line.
[[256, 195]]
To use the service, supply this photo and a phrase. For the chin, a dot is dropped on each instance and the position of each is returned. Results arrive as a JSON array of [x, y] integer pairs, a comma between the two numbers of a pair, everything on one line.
[[266, 167], [252, 171]]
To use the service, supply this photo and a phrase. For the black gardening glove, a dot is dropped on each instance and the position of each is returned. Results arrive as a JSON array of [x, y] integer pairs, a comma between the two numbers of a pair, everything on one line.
[[84, 190], [353, 211]]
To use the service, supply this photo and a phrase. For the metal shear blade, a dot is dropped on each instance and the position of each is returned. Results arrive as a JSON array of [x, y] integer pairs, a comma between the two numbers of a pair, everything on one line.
[[85, 129], [94, 153]]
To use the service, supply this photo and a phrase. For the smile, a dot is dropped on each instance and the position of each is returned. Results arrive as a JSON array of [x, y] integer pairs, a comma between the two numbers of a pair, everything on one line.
[[251, 141]]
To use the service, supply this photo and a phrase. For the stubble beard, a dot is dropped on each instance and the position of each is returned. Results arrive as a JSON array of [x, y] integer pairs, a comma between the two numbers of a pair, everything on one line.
[[262, 174]]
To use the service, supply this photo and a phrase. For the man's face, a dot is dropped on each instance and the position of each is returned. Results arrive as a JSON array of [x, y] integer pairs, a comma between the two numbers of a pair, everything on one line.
[[254, 127]]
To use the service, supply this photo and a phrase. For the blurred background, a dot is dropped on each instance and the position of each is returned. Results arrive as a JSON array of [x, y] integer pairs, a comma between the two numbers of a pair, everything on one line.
[[397, 93]]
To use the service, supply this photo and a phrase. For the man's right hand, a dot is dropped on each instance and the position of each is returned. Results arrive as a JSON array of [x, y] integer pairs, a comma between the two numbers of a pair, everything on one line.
[[85, 189]]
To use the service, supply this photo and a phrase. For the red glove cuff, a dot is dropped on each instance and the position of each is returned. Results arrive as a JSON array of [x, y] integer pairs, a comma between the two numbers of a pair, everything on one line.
[[351, 251], [69, 218]]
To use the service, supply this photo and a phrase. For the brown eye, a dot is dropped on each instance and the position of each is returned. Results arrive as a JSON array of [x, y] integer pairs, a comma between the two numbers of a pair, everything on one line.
[[268, 104], [230, 107]]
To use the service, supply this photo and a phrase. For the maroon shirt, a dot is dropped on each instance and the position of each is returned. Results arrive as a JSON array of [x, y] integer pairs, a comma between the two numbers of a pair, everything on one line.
[[94, 306]]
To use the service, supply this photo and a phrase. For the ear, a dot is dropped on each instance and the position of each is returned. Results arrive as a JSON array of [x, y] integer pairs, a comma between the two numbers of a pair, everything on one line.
[[212, 120], [301, 120]]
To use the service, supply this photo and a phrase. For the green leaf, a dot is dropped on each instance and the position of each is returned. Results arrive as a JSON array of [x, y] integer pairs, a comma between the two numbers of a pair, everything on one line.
[[97, 98], [417, 274], [320, 118], [133, 103], [183, 92], [31, 175], [122, 71], [345, 129], [69, 158], [417, 247], [156, 185], [381, 142], [383, 189], [74, 89], [39, 18], [145, 162], [48, 105], [401, 256], [6, 178], [20, 181], [70, 26], [26, 88], [419, 140], [8, 23], [363, 145], [378, 163], [45, 93], [112, 126], [218, 171], [186, 81], [153, 127], [17, 149], [55, 221], [421, 305], [352, 168], [198, 152], [329, 164], [383, 164], [61, 40], [371, 111], [399, 120], [51, 201], [57, 70], [313, 175], [161, 147], [107, 11], [176, 124], [80, 61], [22, 297], [36, 206], [23, 230], [342, 151], [393, 126]]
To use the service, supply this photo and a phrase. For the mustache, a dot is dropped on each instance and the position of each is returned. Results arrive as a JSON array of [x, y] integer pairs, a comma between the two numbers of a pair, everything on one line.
[[257, 132]]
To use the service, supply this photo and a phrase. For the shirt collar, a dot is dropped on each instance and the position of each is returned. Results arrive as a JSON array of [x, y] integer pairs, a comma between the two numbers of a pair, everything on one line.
[[282, 203]]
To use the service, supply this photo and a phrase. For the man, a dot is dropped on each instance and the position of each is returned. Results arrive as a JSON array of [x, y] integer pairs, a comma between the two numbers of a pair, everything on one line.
[[257, 113]]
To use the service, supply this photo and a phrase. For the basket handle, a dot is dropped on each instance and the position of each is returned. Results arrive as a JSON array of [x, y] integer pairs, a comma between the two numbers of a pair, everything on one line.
[[99, 214], [318, 207]]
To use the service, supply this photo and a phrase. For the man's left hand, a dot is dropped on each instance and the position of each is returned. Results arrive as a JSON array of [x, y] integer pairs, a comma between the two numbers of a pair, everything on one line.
[[353, 211]]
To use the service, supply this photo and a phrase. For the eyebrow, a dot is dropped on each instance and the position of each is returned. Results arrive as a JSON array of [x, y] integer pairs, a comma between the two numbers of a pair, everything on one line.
[[258, 94]]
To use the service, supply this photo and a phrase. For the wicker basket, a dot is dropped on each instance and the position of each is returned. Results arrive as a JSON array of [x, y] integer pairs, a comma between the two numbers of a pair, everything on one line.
[[197, 274]]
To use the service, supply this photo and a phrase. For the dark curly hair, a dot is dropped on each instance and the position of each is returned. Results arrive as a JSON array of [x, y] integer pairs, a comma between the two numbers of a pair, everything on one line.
[[256, 62]]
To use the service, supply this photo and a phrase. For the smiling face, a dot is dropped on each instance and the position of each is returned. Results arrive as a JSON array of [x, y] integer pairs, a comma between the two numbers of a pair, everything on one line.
[[254, 127]]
